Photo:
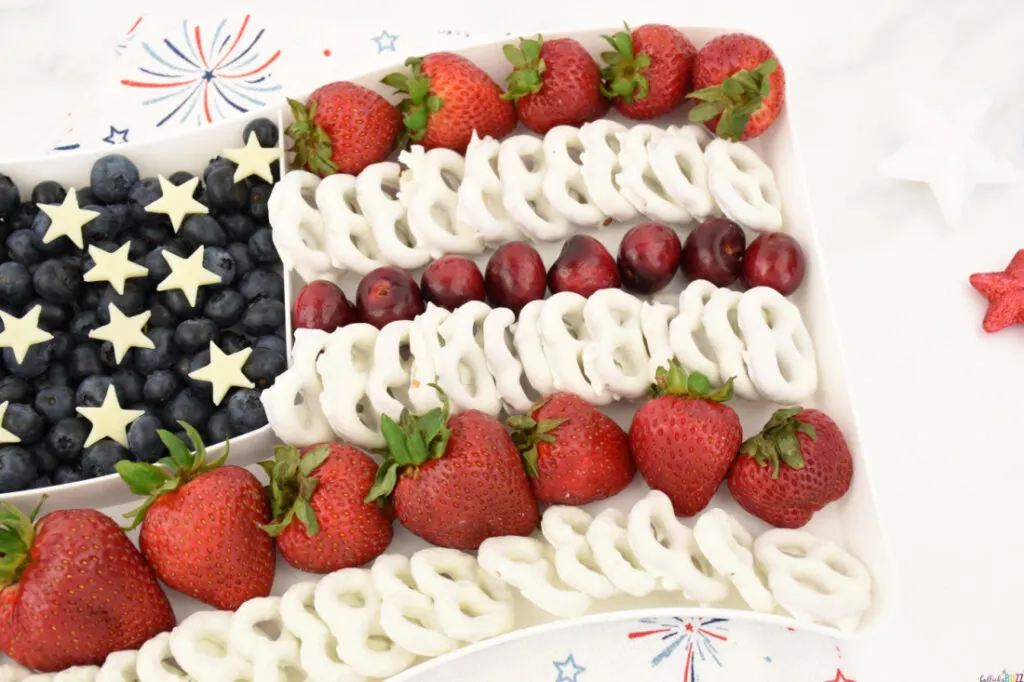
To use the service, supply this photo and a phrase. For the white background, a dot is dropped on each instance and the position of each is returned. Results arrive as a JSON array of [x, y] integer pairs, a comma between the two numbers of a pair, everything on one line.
[[940, 402]]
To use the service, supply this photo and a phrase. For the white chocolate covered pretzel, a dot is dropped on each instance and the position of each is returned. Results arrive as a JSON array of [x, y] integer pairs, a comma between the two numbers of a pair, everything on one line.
[[638, 181], [698, 132], [570, 355], [344, 368], [390, 373], [525, 564], [78, 673], [727, 546], [779, 353], [120, 666], [743, 186], [600, 165], [609, 542], [298, 228], [502, 362], [318, 651], [563, 184], [721, 329], [348, 237], [565, 529], [461, 365], [678, 163], [687, 333], [431, 205], [200, 647], [612, 319], [521, 165], [397, 241], [480, 194], [529, 346], [655, 322], [156, 663], [425, 344], [292, 403]]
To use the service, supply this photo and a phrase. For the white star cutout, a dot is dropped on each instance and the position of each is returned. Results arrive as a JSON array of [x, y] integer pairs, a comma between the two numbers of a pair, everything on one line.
[[187, 274], [21, 333], [5, 435], [224, 371], [252, 159], [113, 267], [944, 154], [109, 420], [123, 332], [67, 219], [176, 201]]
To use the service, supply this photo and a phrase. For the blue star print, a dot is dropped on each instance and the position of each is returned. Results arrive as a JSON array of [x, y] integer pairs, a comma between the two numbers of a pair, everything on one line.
[[568, 670], [385, 42], [114, 132]]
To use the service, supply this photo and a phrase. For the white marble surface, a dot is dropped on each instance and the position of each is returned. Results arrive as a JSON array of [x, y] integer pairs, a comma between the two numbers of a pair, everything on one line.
[[939, 401]]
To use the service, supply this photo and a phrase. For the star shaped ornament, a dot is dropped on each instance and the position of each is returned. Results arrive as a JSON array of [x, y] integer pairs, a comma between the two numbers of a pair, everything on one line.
[[224, 371], [5, 435], [113, 267], [187, 274], [176, 201], [945, 155], [124, 332], [67, 219], [1005, 293], [21, 333], [252, 159], [109, 420]]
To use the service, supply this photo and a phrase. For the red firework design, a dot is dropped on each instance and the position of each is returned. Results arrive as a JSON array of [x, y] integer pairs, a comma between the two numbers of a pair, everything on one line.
[[696, 636]]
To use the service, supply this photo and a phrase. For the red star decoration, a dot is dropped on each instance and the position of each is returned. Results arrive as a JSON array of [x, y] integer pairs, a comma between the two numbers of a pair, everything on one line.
[[1005, 293], [689, 627], [840, 677]]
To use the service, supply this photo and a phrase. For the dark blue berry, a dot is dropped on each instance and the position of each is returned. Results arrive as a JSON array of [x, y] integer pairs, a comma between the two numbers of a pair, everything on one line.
[[154, 233], [23, 216], [202, 230], [93, 391], [90, 297], [261, 283], [244, 263], [230, 342], [225, 308], [259, 194], [182, 368], [186, 406], [264, 316], [137, 246], [40, 483], [180, 307], [161, 356], [160, 386], [129, 386], [65, 474], [246, 411], [111, 222], [45, 462], [35, 362], [263, 366], [143, 193], [57, 281], [160, 316], [24, 422], [48, 192], [17, 469], [85, 361], [53, 317], [15, 284], [101, 459], [155, 262], [108, 357], [82, 323], [131, 302], [112, 178], [86, 197], [55, 403], [265, 129], [9, 195], [15, 390], [143, 440], [261, 246], [219, 262], [67, 438], [56, 375], [202, 389], [272, 342], [181, 177], [192, 336], [223, 194], [219, 428], [77, 260], [237, 226], [40, 226], [21, 247]]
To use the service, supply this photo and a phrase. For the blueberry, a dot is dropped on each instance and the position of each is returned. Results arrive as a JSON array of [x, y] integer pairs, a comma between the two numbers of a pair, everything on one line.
[[181, 177], [202, 389], [160, 386], [137, 247], [67, 438], [225, 308], [244, 263], [77, 260], [48, 192], [261, 246], [154, 233], [100, 459], [9, 195], [160, 316], [265, 129], [112, 178], [129, 386], [199, 230], [263, 366], [82, 323], [272, 342], [230, 342], [108, 357], [182, 366], [180, 307], [256, 208], [17, 469], [86, 197], [155, 262], [65, 474], [219, 428], [40, 227], [85, 361], [15, 284], [57, 281], [261, 283], [219, 262], [111, 222], [161, 356], [41, 482], [195, 335], [45, 462], [143, 193], [246, 411], [53, 317], [237, 226], [90, 297], [143, 440], [23, 216], [131, 302], [264, 316], [15, 390], [21, 247], [55, 403], [93, 391], [186, 406], [223, 194], [55, 376], [35, 362], [24, 422]]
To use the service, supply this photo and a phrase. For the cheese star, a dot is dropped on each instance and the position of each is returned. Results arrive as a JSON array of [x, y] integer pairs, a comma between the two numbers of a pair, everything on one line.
[[21, 333], [176, 201], [5, 435], [224, 371], [113, 267], [187, 274], [109, 420], [67, 219], [123, 332], [252, 159]]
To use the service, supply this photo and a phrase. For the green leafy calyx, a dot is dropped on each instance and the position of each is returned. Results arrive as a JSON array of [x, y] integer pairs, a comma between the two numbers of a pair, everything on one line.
[[310, 143], [411, 442], [182, 465], [528, 433], [526, 77], [735, 99], [17, 534], [623, 76], [673, 380], [418, 105], [777, 441], [292, 486]]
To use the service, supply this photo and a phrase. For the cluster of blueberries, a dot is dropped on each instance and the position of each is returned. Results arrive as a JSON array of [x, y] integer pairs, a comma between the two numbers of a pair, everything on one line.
[[244, 310]]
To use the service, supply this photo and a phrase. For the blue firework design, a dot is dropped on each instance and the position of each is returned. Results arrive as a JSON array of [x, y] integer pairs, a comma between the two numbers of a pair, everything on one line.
[[695, 636]]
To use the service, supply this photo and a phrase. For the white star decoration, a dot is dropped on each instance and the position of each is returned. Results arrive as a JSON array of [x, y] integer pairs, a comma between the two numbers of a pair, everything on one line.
[[109, 420], [944, 154], [67, 219], [252, 159], [21, 333], [187, 274], [5, 435], [113, 267], [176, 201], [123, 332], [224, 371]]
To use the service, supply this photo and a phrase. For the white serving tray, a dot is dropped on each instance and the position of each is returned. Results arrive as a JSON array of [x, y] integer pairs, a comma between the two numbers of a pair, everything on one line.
[[851, 522]]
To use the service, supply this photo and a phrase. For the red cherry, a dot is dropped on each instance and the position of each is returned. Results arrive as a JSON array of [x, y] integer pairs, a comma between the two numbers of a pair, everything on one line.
[[648, 258], [713, 252], [774, 260], [583, 266], [322, 305], [451, 281], [515, 276], [387, 294]]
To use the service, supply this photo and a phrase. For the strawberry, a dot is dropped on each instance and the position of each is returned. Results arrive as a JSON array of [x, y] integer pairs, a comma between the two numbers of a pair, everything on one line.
[[448, 97], [73, 589], [342, 128], [320, 521], [553, 83], [648, 70], [685, 438], [455, 480], [797, 464], [573, 453], [740, 84], [201, 523]]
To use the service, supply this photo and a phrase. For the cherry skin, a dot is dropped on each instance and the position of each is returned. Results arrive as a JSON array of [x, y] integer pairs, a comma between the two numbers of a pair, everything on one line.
[[322, 305], [714, 251], [387, 294], [648, 258], [515, 275], [583, 266], [451, 281], [774, 260]]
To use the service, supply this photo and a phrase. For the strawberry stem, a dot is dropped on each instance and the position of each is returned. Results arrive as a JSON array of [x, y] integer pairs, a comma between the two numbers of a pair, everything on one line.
[[417, 107], [17, 535], [777, 443], [526, 77], [311, 143], [735, 99], [623, 76], [292, 486], [527, 433], [673, 380]]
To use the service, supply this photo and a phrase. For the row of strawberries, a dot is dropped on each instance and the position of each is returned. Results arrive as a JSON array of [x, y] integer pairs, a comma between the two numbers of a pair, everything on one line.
[[736, 81]]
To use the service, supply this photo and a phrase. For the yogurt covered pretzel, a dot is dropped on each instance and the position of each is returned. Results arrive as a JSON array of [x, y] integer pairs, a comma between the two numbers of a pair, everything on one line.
[[425, 344], [344, 368], [729, 346], [655, 323], [563, 184], [391, 370], [567, 348], [194, 642], [600, 166], [120, 666], [348, 238], [431, 205], [298, 228], [687, 328], [292, 403], [502, 363], [521, 165], [637, 176], [461, 365], [480, 194], [396, 239], [678, 162], [612, 318], [743, 185], [727, 546], [779, 354], [525, 564], [565, 530], [318, 651], [529, 346]]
